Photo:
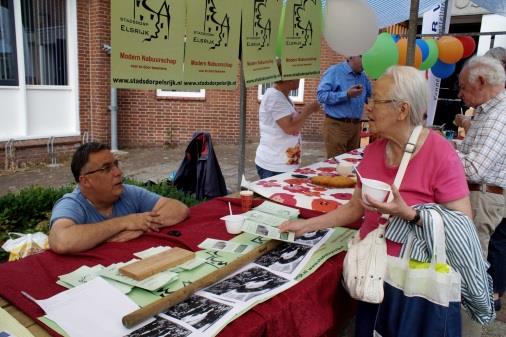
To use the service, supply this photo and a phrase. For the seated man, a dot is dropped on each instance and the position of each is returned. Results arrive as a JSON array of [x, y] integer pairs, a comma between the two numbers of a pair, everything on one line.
[[102, 208]]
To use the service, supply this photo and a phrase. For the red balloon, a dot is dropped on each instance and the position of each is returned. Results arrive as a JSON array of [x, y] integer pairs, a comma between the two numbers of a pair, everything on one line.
[[469, 45]]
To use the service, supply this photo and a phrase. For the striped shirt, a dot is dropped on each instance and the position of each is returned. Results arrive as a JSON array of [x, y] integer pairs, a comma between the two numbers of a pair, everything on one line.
[[484, 147], [463, 255]]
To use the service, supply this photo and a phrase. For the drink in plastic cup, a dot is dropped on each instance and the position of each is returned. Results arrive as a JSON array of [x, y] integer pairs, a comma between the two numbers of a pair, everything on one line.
[[449, 134], [375, 189], [246, 200], [345, 168], [233, 223]]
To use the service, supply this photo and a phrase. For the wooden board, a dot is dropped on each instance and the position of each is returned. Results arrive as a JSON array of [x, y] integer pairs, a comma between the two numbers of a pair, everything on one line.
[[154, 264]]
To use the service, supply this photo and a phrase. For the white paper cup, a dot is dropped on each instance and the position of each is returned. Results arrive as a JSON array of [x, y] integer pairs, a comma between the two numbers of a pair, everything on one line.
[[345, 168], [233, 223], [375, 189]]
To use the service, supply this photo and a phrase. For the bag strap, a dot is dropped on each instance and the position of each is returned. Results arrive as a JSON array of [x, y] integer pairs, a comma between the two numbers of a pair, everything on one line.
[[409, 149]]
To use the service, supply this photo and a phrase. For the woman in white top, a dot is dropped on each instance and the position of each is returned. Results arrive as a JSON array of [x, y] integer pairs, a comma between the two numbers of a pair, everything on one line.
[[280, 124]]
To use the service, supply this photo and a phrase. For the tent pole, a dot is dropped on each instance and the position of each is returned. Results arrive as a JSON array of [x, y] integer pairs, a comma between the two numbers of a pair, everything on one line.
[[413, 23], [242, 128]]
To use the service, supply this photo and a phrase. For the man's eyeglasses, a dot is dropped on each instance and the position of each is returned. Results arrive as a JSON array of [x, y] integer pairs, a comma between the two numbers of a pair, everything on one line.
[[106, 168], [373, 102]]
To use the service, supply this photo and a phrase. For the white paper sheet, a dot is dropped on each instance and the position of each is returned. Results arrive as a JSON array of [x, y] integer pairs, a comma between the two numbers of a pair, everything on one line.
[[92, 309]]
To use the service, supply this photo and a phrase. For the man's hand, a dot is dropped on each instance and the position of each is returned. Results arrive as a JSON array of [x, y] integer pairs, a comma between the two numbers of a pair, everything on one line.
[[147, 221], [355, 91]]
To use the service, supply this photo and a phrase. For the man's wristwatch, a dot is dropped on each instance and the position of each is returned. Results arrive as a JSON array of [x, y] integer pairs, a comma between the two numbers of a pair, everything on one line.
[[415, 220]]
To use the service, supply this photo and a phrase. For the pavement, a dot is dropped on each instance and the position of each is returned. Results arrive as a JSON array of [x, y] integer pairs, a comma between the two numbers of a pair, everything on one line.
[[157, 163]]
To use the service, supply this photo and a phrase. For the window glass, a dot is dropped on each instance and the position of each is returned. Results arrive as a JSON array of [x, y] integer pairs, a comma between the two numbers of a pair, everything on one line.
[[297, 96], [45, 41], [8, 63]]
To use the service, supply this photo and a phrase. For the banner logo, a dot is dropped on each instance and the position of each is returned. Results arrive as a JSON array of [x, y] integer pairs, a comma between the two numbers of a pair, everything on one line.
[[151, 22], [302, 28]]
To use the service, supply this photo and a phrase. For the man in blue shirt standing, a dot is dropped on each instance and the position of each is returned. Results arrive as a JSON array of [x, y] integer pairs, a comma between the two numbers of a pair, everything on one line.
[[102, 208], [343, 90]]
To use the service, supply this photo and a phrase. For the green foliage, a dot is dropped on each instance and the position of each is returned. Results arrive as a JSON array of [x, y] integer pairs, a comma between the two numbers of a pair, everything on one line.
[[29, 210]]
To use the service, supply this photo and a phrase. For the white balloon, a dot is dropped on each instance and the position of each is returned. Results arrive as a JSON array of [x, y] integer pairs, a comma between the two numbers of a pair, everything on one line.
[[351, 26]]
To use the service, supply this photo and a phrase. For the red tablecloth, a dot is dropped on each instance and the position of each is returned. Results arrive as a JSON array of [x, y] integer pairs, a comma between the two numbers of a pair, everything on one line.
[[317, 306]]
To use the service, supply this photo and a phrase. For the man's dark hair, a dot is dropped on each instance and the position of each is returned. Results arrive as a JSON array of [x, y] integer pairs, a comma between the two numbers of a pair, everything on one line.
[[82, 154]]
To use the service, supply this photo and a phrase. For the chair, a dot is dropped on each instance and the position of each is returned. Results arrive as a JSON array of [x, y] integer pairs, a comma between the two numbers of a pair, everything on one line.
[[199, 172]]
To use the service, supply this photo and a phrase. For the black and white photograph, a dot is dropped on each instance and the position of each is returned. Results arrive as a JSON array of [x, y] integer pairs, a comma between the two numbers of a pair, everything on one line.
[[262, 230], [247, 284], [161, 327], [199, 312], [219, 245], [285, 258], [312, 238]]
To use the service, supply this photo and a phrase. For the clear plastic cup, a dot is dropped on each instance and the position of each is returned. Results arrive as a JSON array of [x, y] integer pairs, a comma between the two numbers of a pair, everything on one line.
[[233, 223], [345, 168]]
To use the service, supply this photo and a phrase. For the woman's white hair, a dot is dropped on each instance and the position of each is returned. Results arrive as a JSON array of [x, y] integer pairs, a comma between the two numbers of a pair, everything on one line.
[[410, 87], [490, 69]]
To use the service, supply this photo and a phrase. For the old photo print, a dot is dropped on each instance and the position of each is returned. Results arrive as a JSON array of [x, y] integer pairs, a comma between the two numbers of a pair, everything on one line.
[[199, 312], [247, 284]]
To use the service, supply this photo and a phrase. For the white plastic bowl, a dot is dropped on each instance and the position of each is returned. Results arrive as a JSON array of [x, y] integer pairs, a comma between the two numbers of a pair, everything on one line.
[[233, 223], [345, 168], [375, 189]]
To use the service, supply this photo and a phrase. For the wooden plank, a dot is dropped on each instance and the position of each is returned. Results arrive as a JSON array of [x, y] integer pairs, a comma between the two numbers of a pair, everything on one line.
[[154, 264], [3, 303], [19, 316], [180, 295], [38, 331]]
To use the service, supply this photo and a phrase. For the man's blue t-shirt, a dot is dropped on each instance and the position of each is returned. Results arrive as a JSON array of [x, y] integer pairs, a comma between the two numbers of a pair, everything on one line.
[[76, 207]]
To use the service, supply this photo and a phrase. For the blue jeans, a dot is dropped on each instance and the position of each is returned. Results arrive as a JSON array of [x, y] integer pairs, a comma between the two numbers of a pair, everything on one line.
[[497, 257], [263, 173]]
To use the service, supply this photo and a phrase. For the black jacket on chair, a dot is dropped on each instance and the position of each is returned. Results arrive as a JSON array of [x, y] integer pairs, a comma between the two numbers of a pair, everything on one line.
[[200, 173]]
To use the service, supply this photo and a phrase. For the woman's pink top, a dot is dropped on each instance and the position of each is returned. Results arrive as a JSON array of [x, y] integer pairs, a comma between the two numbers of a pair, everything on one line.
[[434, 175]]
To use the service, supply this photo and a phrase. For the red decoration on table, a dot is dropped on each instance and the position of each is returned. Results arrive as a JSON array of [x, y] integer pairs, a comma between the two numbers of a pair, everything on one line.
[[324, 205]]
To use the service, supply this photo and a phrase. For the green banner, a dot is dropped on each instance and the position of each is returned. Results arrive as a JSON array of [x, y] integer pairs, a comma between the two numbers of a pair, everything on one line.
[[301, 44], [147, 40], [260, 23], [212, 44]]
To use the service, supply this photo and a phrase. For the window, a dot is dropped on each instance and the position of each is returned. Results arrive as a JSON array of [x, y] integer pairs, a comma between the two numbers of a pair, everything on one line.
[[182, 93], [38, 67], [8, 56], [45, 42], [297, 96]]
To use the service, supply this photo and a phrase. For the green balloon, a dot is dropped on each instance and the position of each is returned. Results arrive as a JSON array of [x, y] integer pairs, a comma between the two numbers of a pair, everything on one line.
[[380, 56], [281, 36], [431, 58]]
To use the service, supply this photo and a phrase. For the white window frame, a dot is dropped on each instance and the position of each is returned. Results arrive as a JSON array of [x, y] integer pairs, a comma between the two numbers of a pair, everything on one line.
[[72, 72], [299, 99], [181, 94]]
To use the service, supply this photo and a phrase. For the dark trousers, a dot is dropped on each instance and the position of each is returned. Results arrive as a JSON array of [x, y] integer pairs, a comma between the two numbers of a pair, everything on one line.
[[497, 257], [366, 317], [263, 173]]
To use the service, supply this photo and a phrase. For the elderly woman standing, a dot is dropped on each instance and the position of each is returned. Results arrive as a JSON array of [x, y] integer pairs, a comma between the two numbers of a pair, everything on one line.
[[434, 173]]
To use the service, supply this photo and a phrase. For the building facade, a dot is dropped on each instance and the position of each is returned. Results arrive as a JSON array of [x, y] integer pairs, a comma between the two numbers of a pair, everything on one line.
[[55, 89]]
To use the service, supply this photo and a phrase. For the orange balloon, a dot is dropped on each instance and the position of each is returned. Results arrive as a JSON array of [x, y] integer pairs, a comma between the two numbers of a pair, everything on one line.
[[451, 49], [402, 45]]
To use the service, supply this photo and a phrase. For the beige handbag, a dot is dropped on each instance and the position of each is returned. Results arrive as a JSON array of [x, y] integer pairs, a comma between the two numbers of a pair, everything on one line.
[[365, 263]]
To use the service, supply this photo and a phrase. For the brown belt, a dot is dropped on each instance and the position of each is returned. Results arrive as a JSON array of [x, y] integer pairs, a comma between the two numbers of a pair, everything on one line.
[[488, 188], [345, 120]]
